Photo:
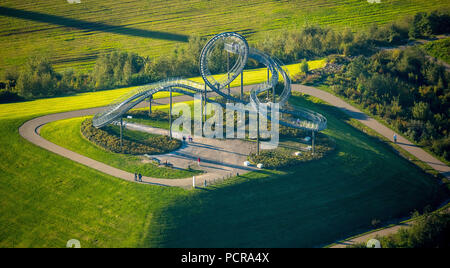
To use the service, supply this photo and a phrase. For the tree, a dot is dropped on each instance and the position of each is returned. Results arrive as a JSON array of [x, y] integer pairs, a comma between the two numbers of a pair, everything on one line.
[[421, 110], [38, 79], [304, 67]]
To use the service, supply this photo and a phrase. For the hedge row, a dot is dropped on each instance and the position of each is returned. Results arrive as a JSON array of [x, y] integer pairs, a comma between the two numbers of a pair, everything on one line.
[[107, 140]]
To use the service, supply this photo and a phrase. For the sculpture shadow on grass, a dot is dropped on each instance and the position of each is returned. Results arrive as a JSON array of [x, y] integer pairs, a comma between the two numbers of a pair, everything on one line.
[[89, 26]]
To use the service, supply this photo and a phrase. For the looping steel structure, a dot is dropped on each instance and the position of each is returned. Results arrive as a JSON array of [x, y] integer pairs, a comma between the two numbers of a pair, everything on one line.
[[233, 44]]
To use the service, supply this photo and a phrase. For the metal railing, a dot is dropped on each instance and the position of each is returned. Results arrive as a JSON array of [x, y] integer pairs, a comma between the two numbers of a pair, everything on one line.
[[302, 117]]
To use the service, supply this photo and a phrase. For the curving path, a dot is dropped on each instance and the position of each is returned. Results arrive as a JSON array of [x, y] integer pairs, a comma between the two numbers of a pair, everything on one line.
[[219, 158], [357, 114], [30, 131]]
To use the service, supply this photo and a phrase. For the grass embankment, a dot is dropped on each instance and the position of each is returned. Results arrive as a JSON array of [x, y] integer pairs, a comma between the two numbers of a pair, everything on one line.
[[146, 27], [319, 201], [383, 121], [47, 199]]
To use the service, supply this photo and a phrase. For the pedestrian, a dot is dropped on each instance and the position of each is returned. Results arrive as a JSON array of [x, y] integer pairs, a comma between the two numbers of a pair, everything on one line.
[[395, 138], [140, 177], [198, 161], [184, 139], [135, 176]]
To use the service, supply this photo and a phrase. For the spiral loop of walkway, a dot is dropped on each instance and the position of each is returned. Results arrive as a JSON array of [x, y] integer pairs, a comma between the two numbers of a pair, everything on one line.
[[231, 43]]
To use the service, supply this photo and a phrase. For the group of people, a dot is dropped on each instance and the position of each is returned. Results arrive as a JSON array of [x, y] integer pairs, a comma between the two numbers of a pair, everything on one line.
[[189, 138], [138, 177]]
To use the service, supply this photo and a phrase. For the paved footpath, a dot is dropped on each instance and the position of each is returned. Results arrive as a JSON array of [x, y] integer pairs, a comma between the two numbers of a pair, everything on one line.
[[377, 126], [219, 158], [386, 132], [217, 151]]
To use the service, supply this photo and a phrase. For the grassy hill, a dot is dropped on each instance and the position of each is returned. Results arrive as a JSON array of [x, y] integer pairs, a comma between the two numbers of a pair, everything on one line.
[[47, 199], [73, 35]]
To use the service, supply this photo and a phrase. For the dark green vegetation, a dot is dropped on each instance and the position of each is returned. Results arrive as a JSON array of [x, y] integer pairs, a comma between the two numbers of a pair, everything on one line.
[[431, 230], [404, 88], [66, 133], [134, 142], [308, 205], [439, 49]]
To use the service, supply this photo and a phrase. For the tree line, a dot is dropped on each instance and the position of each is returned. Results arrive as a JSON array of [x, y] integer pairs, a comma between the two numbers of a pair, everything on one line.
[[37, 78]]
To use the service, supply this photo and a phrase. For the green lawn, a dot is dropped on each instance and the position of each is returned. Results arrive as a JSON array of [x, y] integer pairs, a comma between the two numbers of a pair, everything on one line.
[[47, 199], [66, 133], [318, 202], [147, 23]]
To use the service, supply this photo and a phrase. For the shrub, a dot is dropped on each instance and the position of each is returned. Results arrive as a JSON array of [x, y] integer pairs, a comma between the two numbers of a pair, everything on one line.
[[105, 139]]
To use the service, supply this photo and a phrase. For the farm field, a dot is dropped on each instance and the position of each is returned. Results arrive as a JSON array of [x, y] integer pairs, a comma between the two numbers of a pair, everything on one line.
[[73, 35]]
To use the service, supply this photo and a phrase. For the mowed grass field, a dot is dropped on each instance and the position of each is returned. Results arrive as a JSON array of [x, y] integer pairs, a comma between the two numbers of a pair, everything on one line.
[[73, 35], [46, 200], [317, 202]]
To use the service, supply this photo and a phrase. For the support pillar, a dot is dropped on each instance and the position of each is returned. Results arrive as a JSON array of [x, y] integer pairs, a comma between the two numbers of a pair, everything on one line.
[[121, 134], [242, 85], [170, 113], [228, 72], [313, 142], [150, 99], [204, 108], [257, 131]]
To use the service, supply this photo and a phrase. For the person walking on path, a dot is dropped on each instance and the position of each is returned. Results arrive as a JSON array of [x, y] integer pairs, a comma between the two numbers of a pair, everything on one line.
[[395, 138], [198, 161], [140, 177], [135, 176], [184, 139]]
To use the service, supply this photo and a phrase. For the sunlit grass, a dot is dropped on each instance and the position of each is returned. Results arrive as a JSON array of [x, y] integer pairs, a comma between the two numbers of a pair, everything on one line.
[[74, 48]]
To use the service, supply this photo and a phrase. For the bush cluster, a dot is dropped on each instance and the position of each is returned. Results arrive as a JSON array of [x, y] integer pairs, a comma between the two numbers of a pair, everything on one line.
[[107, 140], [283, 158], [408, 90]]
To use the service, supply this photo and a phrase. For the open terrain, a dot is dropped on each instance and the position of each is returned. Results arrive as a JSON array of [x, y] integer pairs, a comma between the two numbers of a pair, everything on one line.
[[73, 35], [47, 199]]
